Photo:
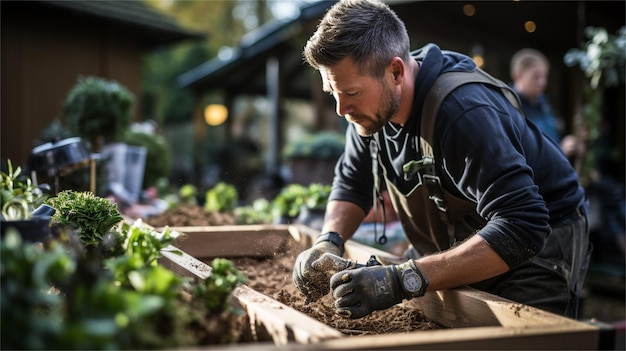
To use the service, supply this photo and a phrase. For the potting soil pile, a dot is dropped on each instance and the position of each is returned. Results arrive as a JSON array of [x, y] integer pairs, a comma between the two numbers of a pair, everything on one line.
[[189, 215]]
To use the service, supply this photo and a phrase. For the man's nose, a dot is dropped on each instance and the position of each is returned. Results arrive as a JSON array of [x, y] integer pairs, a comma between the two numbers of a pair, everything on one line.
[[343, 107]]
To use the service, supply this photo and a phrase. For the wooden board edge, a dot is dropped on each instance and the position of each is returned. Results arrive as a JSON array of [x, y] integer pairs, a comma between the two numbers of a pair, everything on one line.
[[480, 308], [184, 264], [284, 324], [479, 338], [203, 242]]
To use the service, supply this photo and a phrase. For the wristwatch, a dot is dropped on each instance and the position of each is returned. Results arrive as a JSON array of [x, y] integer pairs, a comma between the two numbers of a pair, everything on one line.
[[414, 283]]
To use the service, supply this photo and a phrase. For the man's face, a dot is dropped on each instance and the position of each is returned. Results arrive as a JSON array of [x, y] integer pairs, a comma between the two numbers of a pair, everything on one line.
[[363, 100], [532, 81]]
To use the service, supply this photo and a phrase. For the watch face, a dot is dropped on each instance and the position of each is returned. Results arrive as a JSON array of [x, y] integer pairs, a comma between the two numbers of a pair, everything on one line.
[[411, 282]]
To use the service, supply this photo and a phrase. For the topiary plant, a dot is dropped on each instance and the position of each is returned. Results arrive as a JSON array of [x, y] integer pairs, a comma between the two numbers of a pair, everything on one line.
[[98, 110]]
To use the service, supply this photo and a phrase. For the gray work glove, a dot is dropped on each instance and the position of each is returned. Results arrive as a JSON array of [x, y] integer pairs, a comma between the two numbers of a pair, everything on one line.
[[360, 291], [315, 283]]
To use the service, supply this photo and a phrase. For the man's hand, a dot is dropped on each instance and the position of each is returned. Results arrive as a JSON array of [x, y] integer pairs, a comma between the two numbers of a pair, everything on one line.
[[311, 281], [358, 292]]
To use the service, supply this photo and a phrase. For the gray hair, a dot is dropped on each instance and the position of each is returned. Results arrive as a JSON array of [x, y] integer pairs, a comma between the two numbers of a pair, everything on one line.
[[367, 31]]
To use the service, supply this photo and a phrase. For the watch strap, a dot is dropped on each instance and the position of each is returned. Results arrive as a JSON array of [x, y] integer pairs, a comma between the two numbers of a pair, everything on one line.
[[332, 237]]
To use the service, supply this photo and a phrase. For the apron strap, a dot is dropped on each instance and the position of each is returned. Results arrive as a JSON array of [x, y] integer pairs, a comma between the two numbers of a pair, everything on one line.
[[445, 84]]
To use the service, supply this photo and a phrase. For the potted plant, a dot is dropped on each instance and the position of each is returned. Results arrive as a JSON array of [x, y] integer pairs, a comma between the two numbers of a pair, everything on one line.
[[98, 110], [314, 207], [300, 203], [22, 206]]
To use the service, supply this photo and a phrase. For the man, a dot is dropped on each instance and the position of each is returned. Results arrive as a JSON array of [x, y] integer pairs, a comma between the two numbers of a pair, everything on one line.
[[525, 237], [529, 71]]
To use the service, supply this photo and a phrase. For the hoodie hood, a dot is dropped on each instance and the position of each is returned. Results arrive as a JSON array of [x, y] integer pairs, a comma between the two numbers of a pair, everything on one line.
[[434, 62]]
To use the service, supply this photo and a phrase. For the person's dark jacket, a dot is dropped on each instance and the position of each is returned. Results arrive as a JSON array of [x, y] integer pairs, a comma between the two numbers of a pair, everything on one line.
[[521, 181]]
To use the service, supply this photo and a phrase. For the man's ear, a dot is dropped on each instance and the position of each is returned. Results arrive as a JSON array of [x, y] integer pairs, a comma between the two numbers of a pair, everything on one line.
[[396, 67]]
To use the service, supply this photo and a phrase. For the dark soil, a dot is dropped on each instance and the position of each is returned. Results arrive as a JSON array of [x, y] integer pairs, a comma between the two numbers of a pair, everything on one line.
[[189, 215]]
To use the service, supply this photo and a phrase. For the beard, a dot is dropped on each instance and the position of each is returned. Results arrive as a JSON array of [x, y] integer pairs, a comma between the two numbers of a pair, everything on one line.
[[368, 125]]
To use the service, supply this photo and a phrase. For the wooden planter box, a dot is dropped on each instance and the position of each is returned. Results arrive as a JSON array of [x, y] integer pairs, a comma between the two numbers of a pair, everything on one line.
[[477, 320]]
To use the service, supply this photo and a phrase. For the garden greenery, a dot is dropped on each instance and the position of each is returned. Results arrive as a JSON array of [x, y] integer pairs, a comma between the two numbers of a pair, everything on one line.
[[62, 295]]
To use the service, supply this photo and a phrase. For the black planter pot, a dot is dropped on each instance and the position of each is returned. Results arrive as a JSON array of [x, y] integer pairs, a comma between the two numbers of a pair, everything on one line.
[[34, 229]]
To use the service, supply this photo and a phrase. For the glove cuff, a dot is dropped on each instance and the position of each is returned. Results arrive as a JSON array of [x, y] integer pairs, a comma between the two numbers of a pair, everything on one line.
[[332, 237], [412, 281]]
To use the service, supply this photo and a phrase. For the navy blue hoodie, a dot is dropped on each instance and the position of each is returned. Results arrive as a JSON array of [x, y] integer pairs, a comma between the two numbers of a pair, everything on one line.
[[487, 153]]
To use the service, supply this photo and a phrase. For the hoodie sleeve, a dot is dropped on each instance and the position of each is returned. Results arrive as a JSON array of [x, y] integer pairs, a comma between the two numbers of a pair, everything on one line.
[[485, 145]]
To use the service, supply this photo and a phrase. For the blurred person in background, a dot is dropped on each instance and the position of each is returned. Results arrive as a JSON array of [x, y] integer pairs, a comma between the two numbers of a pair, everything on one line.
[[530, 70]]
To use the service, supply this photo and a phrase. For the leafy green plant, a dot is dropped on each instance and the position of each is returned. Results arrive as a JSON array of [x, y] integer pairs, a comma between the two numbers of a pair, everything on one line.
[[216, 289], [602, 60], [29, 312], [95, 216], [98, 108], [317, 196], [187, 194], [602, 57], [294, 197], [18, 196], [289, 201], [259, 212], [60, 296], [221, 198]]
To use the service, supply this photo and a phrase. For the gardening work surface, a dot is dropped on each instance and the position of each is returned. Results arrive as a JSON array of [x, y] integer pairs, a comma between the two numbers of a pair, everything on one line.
[[462, 318], [272, 277]]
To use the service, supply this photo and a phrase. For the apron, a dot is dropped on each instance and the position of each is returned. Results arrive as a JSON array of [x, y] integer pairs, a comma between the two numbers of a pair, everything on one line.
[[429, 227], [435, 220]]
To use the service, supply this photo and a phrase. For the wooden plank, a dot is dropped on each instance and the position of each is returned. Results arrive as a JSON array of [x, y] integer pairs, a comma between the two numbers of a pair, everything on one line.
[[483, 309], [231, 241], [467, 308], [482, 338], [183, 264], [362, 253], [282, 323]]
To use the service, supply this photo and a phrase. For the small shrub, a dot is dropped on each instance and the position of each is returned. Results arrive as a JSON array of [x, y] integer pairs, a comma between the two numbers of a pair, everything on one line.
[[97, 108]]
